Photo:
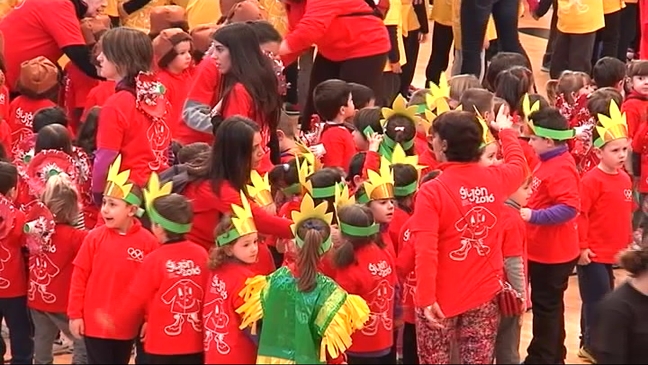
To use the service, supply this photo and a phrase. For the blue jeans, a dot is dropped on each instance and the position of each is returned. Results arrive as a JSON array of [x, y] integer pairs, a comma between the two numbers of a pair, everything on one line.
[[594, 282], [16, 315]]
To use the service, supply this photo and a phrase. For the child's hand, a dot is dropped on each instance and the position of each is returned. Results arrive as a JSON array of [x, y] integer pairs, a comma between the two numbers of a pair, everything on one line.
[[77, 328], [502, 120], [143, 333], [422, 37], [586, 257], [525, 213], [396, 68], [375, 139]]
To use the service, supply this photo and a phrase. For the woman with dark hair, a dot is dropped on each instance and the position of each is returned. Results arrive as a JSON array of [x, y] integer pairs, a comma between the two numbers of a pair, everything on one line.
[[351, 39], [238, 79], [217, 177], [458, 255]]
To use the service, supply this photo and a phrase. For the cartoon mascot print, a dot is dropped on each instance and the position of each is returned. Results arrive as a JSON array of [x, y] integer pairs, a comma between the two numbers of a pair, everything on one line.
[[185, 299], [215, 323], [43, 270], [474, 228]]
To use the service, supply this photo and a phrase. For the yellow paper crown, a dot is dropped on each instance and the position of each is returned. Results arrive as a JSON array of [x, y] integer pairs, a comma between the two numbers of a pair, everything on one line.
[[116, 183], [242, 220], [305, 152], [527, 108], [612, 127], [156, 190], [380, 185], [304, 170], [437, 99], [260, 191], [487, 136], [343, 196], [399, 107], [399, 156], [307, 209], [426, 122]]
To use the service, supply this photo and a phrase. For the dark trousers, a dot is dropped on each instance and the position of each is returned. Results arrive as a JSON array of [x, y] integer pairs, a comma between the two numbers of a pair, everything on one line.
[[410, 351], [546, 59], [362, 70], [411, 43], [108, 351], [628, 29], [607, 38], [548, 285], [141, 357], [442, 38], [15, 313], [188, 359], [388, 359], [572, 52], [290, 72], [474, 19], [594, 282]]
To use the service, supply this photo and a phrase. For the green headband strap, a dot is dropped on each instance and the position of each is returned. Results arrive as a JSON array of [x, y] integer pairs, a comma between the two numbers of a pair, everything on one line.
[[132, 199], [391, 143], [170, 226], [293, 189], [421, 108], [324, 247], [403, 191], [325, 192], [363, 199], [227, 237], [561, 135], [359, 231]]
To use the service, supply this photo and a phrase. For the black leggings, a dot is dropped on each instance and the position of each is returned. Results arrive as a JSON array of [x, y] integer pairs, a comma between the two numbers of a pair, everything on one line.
[[442, 37], [628, 30], [607, 39], [108, 351], [362, 70], [411, 43], [474, 20], [188, 359]]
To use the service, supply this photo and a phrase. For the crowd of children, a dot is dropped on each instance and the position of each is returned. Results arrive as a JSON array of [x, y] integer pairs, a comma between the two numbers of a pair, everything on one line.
[[177, 207]]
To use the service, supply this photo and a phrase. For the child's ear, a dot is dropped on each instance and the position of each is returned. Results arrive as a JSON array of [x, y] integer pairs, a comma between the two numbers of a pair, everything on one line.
[[357, 180], [598, 152], [12, 194], [132, 210], [280, 134]]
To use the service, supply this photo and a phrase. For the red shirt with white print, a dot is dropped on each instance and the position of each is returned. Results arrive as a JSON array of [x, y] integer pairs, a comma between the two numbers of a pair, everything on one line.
[[13, 273], [177, 88], [405, 265], [21, 117]]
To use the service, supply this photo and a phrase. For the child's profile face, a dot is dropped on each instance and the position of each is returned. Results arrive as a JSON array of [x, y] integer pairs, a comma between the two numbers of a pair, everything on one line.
[[245, 249], [613, 154], [540, 144], [522, 195], [382, 210], [348, 111], [107, 69], [640, 84], [183, 59], [116, 213], [257, 151], [489, 155], [158, 232]]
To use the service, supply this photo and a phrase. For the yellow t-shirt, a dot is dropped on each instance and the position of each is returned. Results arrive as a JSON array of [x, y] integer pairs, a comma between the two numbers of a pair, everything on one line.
[[276, 15], [612, 6], [182, 3], [202, 12], [394, 17], [456, 25], [580, 16], [141, 19], [410, 20], [442, 12]]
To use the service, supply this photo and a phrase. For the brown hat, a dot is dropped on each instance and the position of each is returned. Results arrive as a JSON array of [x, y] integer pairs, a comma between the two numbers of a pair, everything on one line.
[[246, 10], [38, 75], [91, 27], [164, 17], [168, 38], [202, 36], [227, 5]]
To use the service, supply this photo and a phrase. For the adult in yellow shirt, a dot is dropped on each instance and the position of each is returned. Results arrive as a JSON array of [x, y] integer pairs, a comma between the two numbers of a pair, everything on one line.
[[202, 12]]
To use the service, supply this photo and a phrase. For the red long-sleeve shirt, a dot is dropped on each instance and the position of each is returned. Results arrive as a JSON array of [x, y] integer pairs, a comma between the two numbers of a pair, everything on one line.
[[13, 274]]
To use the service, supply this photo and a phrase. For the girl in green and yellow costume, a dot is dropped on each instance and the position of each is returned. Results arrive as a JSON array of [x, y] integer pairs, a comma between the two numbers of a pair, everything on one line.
[[307, 317]]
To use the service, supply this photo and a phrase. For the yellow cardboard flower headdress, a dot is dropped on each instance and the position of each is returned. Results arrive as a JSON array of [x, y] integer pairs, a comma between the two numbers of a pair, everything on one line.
[[426, 122], [559, 135], [399, 157], [305, 152], [437, 99], [399, 107], [117, 185], [612, 127], [260, 191], [306, 170], [153, 191], [307, 210], [380, 185], [487, 136], [342, 198], [242, 222]]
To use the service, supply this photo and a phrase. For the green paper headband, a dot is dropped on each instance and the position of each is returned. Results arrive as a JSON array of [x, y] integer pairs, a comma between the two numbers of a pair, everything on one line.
[[359, 231], [293, 189], [325, 192], [324, 247], [227, 237], [167, 224], [132, 199], [561, 135], [363, 199], [421, 108], [403, 191]]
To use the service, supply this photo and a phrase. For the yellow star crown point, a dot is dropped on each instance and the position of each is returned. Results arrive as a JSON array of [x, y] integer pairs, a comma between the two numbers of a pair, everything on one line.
[[612, 127], [304, 170], [380, 185], [307, 210], [155, 189], [242, 218], [487, 136], [399, 156], [426, 122], [527, 107], [343, 196], [439, 94], [260, 191], [305, 152], [116, 183], [399, 107]]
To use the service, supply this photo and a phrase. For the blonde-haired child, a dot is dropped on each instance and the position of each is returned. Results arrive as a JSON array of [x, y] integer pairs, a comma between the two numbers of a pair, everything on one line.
[[50, 271]]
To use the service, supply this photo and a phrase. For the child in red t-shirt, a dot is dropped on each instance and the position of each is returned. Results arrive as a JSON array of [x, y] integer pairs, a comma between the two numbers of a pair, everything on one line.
[[231, 263], [636, 108], [50, 271], [333, 102], [13, 273], [606, 209], [110, 256], [167, 292]]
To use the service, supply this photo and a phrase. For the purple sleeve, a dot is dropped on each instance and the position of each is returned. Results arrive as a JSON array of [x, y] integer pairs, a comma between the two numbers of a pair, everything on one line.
[[102, 161], [557, 214]]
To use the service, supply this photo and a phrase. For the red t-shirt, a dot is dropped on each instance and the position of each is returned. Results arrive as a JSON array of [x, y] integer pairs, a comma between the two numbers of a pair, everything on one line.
[[339, 145], [169, 288], [555, 181], [177, 89], [38, 28], [396, 227], [21, 116], [636, 109], [4, 102], [5, 138], [13, 273], [50, 271], [458, 253], [405, 265], [98, 96], [428, 159], [224, 342], [77, 88], [372, 277], [420, 143], [106, 261], [204, 90], [142, 143], [604, 225]]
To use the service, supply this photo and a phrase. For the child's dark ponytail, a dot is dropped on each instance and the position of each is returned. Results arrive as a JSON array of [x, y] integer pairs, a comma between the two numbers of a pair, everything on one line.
[[401, 129], [405, 185], [356, 216], [313, 233]]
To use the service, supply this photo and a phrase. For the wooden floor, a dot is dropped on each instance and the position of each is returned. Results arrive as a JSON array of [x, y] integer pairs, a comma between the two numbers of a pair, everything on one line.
[[535, 47]]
